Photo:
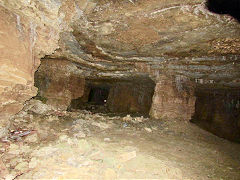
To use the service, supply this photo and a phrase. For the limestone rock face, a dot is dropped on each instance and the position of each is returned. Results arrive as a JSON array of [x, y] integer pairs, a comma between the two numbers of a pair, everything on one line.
[[112, 39], [59, 81], [173, 98], [17, 66]]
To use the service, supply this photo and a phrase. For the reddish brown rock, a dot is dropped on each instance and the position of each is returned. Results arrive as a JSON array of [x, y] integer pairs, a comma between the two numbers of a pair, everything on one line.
[[131, 97], [173, 98], [59, 81]]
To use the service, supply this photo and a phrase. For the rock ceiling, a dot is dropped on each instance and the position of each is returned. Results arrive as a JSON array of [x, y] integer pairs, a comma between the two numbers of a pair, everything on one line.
[[123, 38]]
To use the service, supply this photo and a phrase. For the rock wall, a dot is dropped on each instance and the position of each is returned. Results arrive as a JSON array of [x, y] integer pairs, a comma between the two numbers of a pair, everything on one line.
[[130, 97], [17, 66], [115, 39], [218, 111], [29, 30], [59, 81], [173, 98]]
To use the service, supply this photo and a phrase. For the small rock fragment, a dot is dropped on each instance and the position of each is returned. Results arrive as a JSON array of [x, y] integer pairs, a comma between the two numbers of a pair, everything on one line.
[[148, 129], [37, 107], [63, 138], [128, 156], [139, 119], [125, 125], [127, 118], [107, 139]]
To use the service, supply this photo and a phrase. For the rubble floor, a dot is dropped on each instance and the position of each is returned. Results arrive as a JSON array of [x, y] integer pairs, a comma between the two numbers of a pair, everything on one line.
[[84, 145]]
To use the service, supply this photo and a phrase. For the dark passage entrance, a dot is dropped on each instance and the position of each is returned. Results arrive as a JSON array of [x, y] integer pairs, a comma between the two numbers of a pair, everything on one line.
[[218, 111], [116, 96], [98, 95]]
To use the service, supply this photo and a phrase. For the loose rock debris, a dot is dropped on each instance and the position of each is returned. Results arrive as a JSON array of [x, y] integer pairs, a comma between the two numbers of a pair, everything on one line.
[[88, 145]]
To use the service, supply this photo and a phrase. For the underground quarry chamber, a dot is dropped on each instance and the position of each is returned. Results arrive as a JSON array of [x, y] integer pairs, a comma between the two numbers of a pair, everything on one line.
[[215, 109], [119, 89]]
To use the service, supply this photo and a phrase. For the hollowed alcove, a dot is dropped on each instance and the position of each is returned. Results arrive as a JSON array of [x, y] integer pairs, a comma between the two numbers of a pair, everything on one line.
[[218, 111], [116, 96]]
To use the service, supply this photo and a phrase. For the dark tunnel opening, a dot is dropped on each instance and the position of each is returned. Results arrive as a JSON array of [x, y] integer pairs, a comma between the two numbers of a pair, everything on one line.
[[218, 111], [98, 95], [119, 97], [230, 7]]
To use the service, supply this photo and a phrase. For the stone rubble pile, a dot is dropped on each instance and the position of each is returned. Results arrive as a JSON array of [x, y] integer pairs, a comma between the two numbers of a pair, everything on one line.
[[39, 132]]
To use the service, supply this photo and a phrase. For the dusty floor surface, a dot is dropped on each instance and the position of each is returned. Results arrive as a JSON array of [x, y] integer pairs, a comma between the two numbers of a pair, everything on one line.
[[63, 145]]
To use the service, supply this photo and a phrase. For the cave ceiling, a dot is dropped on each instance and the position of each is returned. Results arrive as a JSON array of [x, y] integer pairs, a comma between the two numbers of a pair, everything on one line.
[[127, 38]]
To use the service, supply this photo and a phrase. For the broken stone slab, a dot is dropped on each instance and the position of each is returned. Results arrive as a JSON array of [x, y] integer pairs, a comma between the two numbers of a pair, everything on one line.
[[37, 107], [148, 129]]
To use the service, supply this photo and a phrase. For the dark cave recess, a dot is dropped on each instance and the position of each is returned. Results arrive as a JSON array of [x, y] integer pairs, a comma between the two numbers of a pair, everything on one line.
[[98, 95], [133, 97], [218, 111], [230, 7]]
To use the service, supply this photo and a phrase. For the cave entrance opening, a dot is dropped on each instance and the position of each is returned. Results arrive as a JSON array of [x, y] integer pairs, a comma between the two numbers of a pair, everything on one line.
[[98, 95]]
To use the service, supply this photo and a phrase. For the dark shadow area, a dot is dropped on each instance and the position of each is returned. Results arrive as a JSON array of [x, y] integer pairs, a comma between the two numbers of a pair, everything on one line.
[[218, 111], [116, 97], [230, 7], [98, 95], [94, 98]]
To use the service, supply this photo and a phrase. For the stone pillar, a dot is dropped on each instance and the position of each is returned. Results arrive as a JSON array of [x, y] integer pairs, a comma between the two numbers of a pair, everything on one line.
[[17, 66], [173, 98], [59, 81], [131, 97]]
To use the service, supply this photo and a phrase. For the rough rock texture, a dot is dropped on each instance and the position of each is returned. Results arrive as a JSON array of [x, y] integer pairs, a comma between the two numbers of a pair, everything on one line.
[[17, 65], [173, 98], [29, 31], [59, 82], [112, 39], [219, 112], [131, 97], [98, 146]]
